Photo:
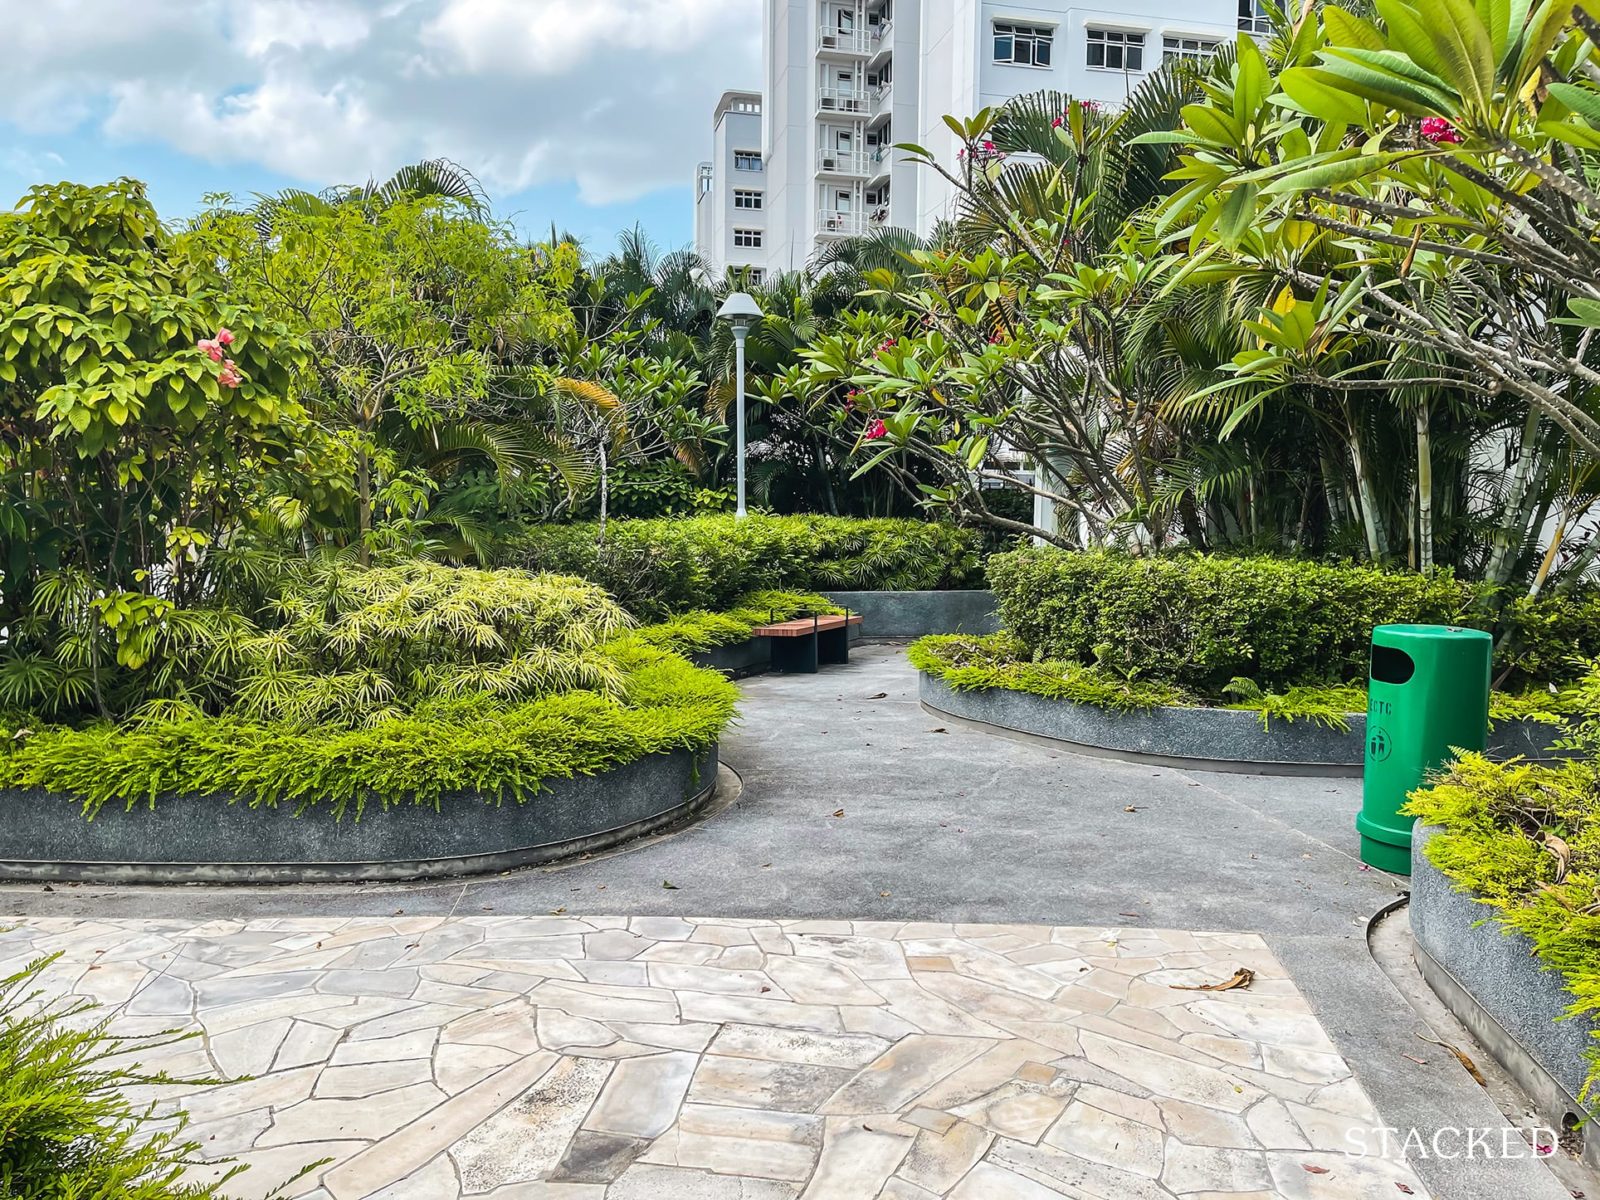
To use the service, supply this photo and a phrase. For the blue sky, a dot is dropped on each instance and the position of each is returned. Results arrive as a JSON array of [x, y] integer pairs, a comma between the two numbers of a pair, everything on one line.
[[587, 113]]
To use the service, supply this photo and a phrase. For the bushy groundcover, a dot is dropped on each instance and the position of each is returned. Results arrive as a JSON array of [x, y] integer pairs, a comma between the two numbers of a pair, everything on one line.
[[392, 685], [1524, 840]]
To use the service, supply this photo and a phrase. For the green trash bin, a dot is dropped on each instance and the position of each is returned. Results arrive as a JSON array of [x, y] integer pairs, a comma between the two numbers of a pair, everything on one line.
[[1429, 692]]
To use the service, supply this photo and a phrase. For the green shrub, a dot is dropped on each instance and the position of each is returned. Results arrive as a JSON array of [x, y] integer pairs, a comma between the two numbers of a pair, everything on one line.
[[970, 663], [1200, 622], [477, 743], [66, 1130], [655, 568], [1550, 637], [1524, 840]]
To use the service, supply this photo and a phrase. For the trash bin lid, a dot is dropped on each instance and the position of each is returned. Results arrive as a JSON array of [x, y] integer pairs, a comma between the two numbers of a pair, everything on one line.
[[1401, 634]]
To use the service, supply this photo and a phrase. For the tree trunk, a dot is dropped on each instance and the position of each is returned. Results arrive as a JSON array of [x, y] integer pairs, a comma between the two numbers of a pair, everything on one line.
[[1368, 499], [605, 491], [1424, 490], [1506, 537], [1549, 561]]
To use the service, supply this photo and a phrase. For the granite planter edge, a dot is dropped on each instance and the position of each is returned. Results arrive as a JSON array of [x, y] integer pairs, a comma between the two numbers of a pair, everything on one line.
[[235, 843]]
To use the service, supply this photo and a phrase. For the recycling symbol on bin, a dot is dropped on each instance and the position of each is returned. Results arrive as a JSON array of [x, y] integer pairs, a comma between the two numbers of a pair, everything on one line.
[[1379, 747]]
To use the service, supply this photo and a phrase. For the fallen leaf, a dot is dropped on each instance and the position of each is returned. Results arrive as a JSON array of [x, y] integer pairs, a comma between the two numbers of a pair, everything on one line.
[[764, 988], [48, 888], [556, 912], [1421, 1062], [764, 866], [1241, 978], [412, 945], [941, 729], [1406, 1188], [1471, 1067], [838, 812], [1130, 808], [879, 696], [1562, 853], [1130, 914], [885, 895], [1309, 1169], [671, 887], [399, 911]]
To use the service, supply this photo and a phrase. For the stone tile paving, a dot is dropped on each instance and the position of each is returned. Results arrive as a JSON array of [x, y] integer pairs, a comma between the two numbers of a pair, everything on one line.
[[647, 1058]]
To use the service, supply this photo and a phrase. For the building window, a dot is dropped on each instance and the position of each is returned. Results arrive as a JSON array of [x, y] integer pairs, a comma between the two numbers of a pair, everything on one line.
[[747, 160], [1023, 45], [746, 199], [756, 276], [1253, 18], [747, 239], [1115, 50], [1195, 49]]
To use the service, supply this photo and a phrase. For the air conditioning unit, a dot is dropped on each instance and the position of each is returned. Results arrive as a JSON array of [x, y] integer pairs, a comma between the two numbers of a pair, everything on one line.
[[829, 41], [828, 164], [828, 102]]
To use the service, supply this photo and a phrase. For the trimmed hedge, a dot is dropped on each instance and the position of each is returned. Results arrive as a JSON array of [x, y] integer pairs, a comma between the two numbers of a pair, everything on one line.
[[1201, 622], [658, 567]]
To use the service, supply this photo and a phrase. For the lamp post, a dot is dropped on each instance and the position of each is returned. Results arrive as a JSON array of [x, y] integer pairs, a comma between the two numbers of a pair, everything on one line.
[[740, 311]]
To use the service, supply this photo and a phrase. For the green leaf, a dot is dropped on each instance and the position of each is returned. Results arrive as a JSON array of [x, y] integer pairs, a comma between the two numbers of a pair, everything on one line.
[[1587, 311], [1321, 95], [1390, 79], [1238, 211], [1581, 101], [1333, 174]]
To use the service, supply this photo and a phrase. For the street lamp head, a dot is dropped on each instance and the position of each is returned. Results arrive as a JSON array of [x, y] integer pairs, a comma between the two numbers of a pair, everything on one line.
[[740, 310]]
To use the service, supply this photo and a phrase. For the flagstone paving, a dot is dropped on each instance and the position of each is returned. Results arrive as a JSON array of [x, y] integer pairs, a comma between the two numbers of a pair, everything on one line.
[[557, 1058]]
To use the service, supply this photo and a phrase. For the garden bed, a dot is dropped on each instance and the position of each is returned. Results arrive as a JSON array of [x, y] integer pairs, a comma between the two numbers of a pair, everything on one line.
[[985, 681], [1494, 984], [1211, 739], [225, 839]]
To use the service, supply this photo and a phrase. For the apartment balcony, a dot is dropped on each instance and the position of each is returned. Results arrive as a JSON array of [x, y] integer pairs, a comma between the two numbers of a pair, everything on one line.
[[880, 161], [840, 224], [843, 41], [882, 40], [841, 100], [854, 163], [880, 100]]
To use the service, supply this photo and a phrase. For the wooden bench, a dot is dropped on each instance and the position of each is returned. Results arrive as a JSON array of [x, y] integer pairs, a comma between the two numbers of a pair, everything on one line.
[[798, 646]]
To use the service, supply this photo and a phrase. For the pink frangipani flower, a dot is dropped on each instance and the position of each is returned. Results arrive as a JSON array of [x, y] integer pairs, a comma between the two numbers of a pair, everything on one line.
[[211, 348], [875, 431], [225, 336], [1440, 131], [229, 376]]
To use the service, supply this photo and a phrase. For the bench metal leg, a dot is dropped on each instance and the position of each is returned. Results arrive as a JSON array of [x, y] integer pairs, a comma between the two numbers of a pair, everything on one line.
[[795, 656], [833, 645]]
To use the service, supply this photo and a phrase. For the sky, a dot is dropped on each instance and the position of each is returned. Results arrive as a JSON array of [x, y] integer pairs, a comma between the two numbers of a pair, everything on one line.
[[589, 114]]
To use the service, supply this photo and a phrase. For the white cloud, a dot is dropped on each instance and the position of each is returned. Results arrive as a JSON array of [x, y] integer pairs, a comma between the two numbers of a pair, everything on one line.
[[615, 95]]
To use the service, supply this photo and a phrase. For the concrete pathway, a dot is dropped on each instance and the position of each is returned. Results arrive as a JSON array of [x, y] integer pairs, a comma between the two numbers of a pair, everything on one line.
[[858, 806]]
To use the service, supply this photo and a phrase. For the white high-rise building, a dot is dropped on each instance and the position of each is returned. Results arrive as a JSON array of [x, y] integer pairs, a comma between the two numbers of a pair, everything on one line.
[[847, 79], [730, 191]]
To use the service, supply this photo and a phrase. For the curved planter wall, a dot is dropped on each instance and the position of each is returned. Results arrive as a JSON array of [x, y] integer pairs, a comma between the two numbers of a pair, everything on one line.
[[916, 614], [1496, 989], [194, 839], [1208, 739]]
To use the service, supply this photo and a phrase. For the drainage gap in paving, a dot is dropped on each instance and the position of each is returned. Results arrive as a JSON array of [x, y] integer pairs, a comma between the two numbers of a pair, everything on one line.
[[1389, 939]]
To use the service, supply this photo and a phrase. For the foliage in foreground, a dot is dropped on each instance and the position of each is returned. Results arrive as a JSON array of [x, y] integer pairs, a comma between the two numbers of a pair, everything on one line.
[[486, 747], [67, 1132], [658, 567], [1524, 840]]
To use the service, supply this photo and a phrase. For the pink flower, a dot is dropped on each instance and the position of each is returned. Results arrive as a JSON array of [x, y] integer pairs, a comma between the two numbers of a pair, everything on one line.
[[225, 336], [997, 337], [886, 347], [1056, 124], [1438, 130], [229, 376], [211, 347], [876, 431]]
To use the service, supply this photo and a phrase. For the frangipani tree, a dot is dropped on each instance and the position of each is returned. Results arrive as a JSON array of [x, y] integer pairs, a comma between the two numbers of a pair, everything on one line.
[[1423, 182]]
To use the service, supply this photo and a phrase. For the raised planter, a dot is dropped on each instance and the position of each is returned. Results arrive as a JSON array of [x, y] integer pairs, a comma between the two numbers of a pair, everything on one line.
[[205, 839], [897, 615], [1495, 987], [1207, 739]]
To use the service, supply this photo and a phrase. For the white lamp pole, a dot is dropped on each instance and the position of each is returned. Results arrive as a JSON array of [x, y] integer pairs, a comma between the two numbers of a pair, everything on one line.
[[741, 312]]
